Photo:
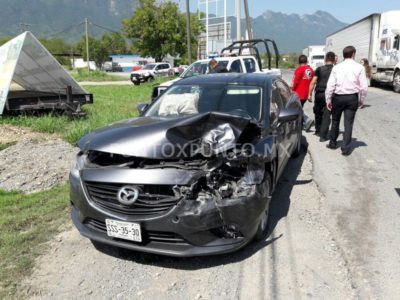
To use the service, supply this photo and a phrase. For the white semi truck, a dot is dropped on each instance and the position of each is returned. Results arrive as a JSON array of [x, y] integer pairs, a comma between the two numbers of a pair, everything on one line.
[[377, 38], [315, 55]]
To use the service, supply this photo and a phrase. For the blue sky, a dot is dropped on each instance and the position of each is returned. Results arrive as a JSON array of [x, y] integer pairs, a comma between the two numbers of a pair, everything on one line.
[[346, 11]]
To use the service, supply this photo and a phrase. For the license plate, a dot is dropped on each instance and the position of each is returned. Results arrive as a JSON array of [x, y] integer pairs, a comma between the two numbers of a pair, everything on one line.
[[124, 230]]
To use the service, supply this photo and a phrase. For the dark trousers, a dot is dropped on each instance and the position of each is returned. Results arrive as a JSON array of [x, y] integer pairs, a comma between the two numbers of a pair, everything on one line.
[[319, 104], [348, 105], [322, 115], [326, 122]]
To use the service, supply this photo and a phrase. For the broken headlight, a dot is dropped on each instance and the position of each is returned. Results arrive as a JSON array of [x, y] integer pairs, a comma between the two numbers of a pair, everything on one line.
[[78, 164]]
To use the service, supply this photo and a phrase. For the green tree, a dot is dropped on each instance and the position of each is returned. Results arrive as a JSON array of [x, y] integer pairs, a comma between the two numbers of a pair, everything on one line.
[[97, 53], [100, 49], [59, 49], [114, 43], [159, 29]]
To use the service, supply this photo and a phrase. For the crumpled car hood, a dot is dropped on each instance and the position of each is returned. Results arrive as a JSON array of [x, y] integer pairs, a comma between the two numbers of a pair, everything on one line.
[[160, 138]]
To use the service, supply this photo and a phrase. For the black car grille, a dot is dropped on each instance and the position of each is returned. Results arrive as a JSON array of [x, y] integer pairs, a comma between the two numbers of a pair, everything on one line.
[[153, 200], [148, 236]]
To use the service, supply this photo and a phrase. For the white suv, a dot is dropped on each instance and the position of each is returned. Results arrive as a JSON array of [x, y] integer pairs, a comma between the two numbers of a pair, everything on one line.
[[234, 64], [149, 72]]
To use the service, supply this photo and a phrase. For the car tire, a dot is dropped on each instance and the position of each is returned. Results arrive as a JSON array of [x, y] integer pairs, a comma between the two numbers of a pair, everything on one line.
[[263, 228], [136, 82], [297, 150], [150, 79], [396, 82]]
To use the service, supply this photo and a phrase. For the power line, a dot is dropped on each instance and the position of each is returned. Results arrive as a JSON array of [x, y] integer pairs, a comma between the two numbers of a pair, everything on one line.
[[103, 27], [66, 29]]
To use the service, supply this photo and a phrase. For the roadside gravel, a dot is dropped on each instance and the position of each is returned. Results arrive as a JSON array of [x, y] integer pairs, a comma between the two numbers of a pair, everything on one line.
[[299, 260], [36, 162]]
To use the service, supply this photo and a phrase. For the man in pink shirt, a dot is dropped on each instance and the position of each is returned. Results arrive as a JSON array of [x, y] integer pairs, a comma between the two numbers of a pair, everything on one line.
[[345, 92]]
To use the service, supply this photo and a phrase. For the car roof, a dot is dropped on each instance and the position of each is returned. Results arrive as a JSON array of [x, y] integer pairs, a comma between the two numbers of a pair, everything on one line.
[[229, 78]]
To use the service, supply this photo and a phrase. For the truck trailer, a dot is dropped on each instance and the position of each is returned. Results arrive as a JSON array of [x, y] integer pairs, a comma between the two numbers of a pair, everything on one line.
[[377, 38], [315, 55]]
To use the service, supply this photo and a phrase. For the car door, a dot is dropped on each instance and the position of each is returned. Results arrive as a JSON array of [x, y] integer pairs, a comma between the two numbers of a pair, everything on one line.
[[290, 102], [249, 65], [236, 66], [279, 128], [165, 69]]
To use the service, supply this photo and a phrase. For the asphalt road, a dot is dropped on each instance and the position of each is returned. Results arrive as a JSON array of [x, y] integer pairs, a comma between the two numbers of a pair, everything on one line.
[[362, 192], [335, 235]]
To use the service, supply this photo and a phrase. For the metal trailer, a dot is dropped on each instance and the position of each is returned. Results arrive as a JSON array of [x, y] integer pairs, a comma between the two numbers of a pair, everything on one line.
[[377, 38]]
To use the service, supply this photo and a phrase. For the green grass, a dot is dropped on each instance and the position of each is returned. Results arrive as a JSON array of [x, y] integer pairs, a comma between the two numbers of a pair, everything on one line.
[[111, 103], [26, 222], [6, 145], [96, 76]]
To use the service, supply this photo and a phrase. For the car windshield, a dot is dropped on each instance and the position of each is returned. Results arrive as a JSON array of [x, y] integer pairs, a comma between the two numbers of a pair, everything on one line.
[[200, 68], [239, 100], [149, 67]]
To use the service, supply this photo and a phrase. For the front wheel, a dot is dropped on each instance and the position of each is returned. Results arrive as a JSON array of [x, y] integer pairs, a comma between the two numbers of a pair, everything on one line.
[[263, 230], [396, 82]]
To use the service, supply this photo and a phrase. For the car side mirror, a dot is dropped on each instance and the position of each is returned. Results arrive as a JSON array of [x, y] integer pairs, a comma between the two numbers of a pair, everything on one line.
[[142, 108], [287, 115]]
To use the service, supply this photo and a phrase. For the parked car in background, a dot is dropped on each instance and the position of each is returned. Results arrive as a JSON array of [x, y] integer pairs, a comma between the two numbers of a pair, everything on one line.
[[241, 64], [149, 72], [109, 66], [176, 71], [239, 57], [194, 174]]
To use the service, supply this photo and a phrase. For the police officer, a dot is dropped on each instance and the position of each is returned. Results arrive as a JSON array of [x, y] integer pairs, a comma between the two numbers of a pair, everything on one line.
[[319, 82]]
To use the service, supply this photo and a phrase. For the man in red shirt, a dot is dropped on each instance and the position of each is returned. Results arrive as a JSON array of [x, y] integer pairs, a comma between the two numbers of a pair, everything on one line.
[[301, 85]]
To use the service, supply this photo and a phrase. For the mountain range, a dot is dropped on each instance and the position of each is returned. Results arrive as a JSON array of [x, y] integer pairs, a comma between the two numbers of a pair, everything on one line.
[[293, 32], [64, 18]]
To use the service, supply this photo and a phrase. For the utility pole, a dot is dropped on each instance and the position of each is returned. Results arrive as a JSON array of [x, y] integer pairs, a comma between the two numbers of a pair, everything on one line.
[[248, 22], [188, 33], [238, 27], [87, 44], [225, 25]]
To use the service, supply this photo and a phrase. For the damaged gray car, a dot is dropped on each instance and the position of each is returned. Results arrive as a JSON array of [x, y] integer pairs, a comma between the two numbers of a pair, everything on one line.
[[194, 174]]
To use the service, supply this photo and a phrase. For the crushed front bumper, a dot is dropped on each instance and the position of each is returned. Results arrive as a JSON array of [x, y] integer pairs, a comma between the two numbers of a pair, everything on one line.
[[189, 228]]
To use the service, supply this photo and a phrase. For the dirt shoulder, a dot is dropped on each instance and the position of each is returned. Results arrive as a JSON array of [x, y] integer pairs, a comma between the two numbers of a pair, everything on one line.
[[299, 260], [33, 161]]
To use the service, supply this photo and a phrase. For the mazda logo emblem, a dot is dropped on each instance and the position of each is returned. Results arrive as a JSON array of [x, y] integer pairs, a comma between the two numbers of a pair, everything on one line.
[[127, 195]]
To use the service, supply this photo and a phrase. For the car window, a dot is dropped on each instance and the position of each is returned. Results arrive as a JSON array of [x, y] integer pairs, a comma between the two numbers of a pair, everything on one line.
[[284, 92], [223, 63], [236, 67], [149, 67], [250, 65], [396, 42], [165, 66], [198, 68], [180, 100], [276, 103]]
